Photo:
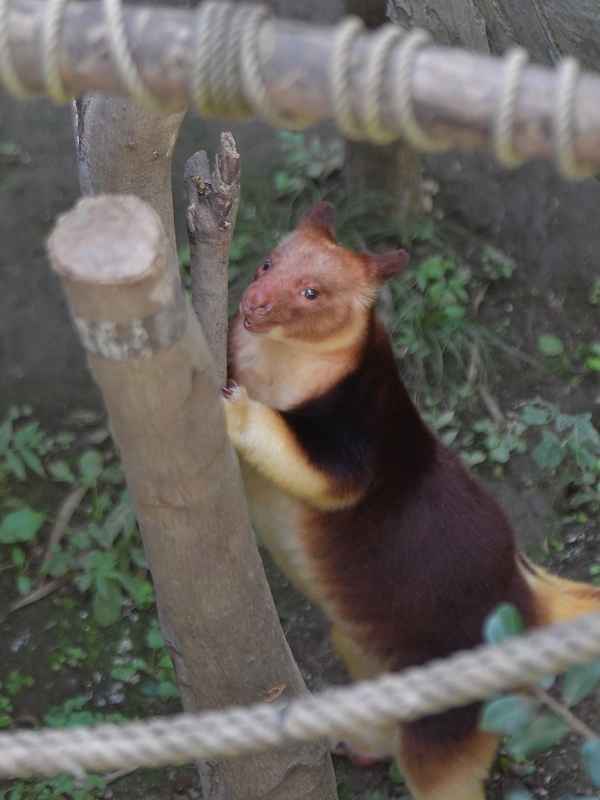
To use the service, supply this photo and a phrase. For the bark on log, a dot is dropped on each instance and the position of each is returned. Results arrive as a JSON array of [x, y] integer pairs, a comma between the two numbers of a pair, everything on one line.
[[455, 93], [121, 147], [547, 30], [149, 356], [214, 199]]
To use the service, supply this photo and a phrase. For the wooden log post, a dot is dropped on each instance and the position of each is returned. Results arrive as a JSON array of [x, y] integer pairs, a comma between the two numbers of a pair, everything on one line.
[[455, 94], [147, 352]]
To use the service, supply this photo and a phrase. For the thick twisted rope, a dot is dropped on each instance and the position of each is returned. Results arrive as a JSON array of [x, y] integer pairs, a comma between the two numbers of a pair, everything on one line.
[[564, 121], [515, 63], [225, 78], [455, 681]]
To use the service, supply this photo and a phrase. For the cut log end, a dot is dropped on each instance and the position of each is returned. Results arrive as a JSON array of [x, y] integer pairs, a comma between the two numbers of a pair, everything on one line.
[[108, 240]]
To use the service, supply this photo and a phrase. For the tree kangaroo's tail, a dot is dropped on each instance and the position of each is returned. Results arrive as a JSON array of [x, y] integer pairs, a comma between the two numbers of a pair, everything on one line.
[[557, 599]]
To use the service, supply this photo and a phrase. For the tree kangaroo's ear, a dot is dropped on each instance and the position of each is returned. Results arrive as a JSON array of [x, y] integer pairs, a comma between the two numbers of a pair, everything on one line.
[[320, 217], [387, 264]]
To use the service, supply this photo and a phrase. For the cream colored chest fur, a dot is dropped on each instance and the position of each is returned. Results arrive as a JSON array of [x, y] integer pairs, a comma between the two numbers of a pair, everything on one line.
[[277, 518]]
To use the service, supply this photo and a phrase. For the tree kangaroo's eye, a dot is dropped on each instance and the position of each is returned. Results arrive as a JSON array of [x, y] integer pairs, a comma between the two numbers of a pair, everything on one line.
[[266, 265], [310, 294]]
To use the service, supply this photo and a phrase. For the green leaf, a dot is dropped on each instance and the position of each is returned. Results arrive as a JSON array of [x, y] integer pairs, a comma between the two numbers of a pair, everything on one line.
[[154, 637], [26, 435], [343, 786], [17, 556], [20, 526], [33, 462], [141, 591], [546, 682], [5, 434], [593, 362], [482, 425], [138, 557], [454, 311], [91, 465], [501, 454], [549, 453], [129, 673], [107, 603], [113, 474], [473, 457], [503, 623], [167, 690], [580, 681], [5, 720], [508, 714], [534, 416], [590, 753], [379, 796], [550, 346], [24, 584], [15, 465], [544, 732], [395, 773], [60, 471]]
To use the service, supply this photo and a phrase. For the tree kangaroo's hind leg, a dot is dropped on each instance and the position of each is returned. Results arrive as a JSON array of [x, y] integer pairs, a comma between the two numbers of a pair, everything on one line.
[[447, 757], [375, 744]]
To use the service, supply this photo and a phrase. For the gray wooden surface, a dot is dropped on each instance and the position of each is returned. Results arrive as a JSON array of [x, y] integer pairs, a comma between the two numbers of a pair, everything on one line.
[[548, 29]]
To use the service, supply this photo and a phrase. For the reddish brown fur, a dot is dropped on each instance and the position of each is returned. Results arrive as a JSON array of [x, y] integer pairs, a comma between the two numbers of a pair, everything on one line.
[[409, 571]]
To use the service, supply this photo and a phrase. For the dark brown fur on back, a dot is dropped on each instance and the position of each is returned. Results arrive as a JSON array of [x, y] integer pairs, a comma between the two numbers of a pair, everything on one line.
[[426, 554]]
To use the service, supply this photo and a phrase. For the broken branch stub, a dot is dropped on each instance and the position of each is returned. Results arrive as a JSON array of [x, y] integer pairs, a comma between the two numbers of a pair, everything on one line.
[[147, 353], [213, 203]]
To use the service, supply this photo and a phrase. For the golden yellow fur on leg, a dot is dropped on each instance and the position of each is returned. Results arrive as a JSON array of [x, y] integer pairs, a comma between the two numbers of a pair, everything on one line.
[[454, 770], [377, 743]]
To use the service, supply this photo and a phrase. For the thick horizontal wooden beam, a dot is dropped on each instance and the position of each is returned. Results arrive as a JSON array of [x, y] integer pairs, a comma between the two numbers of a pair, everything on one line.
[[455, 93]]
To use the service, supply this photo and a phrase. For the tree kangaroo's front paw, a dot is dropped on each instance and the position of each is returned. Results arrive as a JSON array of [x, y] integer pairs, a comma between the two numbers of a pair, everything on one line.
[[237, 409]]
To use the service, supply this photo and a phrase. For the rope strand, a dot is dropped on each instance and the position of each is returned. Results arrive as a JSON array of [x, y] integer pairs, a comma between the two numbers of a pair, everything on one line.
[[504, 123], [564, 121], [458, 680], [51, 51], [226, 78]]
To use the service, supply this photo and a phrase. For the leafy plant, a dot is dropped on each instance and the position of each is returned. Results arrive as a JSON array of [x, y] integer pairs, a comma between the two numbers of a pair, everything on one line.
[[103, 555], [21, 446], [565, 446], [569, 450], [12, 686], [431, 328], [159, 671], [594, 295], [65, 787], [519, 715], [110, 562]]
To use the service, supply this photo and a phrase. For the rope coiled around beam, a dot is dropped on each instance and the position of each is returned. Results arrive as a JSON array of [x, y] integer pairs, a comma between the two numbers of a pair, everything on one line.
[[225, 78], [455, 681]]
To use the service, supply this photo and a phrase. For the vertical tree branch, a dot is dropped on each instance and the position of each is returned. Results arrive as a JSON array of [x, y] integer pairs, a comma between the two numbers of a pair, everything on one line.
[[213, 204]]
